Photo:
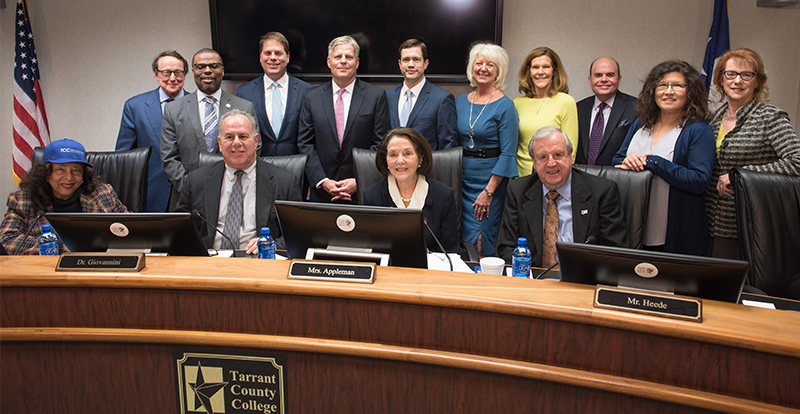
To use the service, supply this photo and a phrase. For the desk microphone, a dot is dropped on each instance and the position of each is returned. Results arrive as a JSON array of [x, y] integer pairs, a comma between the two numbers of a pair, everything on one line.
[[39, 215], [438, 243], [589, 240], [196, 213]]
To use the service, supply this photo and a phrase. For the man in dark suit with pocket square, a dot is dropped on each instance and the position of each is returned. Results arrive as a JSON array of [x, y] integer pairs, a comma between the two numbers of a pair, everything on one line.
[[603, 119]]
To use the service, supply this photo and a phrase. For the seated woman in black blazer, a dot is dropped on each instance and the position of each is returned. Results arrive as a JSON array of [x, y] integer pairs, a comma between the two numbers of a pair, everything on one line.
[[405, 157]]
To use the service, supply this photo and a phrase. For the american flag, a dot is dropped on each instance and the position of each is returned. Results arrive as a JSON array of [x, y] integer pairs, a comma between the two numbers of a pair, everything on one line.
[[30, 120]]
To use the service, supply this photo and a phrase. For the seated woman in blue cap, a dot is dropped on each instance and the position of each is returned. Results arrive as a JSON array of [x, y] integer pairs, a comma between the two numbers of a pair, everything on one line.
[[63, 182]]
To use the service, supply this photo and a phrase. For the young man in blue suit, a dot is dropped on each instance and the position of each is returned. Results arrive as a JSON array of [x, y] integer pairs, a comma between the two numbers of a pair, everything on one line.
[[141, 123], [419, 104], [336, 117], [276, 96]]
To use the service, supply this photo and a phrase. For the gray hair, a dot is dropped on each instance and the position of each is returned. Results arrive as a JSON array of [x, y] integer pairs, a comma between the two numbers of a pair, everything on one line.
[[494, 53], [235, 111], [343, 40], [545, 132]]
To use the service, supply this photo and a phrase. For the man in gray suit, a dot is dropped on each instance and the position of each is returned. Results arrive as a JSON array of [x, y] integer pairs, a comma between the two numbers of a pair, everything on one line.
[[605, 117], [190, 123], [212, 190]]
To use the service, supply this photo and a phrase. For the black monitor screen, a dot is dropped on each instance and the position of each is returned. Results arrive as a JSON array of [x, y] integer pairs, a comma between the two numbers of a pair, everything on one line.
[[704, 277], [397, 232], [448, 28], [172, 233]]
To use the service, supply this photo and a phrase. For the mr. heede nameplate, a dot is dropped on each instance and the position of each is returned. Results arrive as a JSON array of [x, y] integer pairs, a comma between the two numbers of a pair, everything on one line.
[[333, 271], [100, 262], [649, 302]]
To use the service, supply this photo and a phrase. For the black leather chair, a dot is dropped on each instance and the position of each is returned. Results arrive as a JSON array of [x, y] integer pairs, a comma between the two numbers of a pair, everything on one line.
[[126, 171], [295, 164], [634, 193], [446, 169], [768, 218]]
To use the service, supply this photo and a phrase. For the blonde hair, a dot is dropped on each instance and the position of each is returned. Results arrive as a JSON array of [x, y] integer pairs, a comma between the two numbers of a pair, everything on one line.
[[496, 55]]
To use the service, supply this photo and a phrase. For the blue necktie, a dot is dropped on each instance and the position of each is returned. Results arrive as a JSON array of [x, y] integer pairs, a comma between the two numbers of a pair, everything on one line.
[[406, 110], [277, 110], [210, 123]]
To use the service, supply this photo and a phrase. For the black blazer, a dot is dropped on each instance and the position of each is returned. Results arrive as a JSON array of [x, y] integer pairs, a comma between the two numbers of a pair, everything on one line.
[[439, 210], [619, 121], [367, 123], [201, 191], [596, 211], [286, 143]]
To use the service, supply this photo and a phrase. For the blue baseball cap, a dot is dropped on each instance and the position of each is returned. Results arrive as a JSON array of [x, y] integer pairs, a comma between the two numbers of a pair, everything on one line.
[[64, 151]]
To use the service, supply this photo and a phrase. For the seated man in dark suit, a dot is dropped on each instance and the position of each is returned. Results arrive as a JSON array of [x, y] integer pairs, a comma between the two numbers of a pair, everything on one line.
[[239, 192], [578, 207], [419, 104], [336, 117], [276, 96], [603, 119]]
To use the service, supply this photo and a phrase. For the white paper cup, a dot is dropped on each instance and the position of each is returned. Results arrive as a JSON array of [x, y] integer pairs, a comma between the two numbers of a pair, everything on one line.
[[492, 265]]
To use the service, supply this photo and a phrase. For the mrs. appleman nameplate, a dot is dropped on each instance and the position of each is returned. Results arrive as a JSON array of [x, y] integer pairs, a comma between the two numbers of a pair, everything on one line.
[[229, 383], [332, 271], [100, 262], [649, 302]]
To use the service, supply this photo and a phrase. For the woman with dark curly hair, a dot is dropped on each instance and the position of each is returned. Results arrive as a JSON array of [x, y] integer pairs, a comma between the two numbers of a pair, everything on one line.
[[672, 139], [62, 182], [404, 156], [751, 134]]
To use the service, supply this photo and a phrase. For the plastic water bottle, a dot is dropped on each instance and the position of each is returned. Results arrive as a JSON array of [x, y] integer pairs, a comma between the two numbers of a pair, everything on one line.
[[48, 242], [266, 245], [521, 259]]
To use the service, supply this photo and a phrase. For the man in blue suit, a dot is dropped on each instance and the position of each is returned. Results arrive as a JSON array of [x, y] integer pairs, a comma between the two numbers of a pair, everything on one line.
[[141, 123], [419, 104], [276, 96], [336, 117]]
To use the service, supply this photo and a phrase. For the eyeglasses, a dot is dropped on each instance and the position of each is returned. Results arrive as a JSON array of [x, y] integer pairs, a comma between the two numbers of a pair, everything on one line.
[[732, 74], [202, 66], [677, 87], [167, 73]]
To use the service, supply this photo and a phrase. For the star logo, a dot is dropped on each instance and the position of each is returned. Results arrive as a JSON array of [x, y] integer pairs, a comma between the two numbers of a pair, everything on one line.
[[205, 391]]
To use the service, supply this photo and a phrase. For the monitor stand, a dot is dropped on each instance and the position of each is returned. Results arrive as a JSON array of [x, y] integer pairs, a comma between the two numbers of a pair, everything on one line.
[[347, 254]]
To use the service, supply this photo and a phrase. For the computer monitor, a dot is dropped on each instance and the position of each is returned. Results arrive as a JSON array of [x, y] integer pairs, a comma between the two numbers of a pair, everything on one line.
[[393, 231], [704, 277], [172, 233]]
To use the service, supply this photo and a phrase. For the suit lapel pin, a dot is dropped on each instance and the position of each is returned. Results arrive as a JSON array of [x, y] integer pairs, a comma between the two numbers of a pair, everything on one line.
[[227, 105], [584, 212]]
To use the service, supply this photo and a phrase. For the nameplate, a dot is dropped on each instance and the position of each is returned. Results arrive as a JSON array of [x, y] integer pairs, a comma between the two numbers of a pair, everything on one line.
[[333, 271], [229, 382], [649, 302], [100, 262]]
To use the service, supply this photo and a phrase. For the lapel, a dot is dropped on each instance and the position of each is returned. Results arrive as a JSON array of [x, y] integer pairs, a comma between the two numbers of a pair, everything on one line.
[[191, 108], [533, 210], [327, 107], [424, 94], [585, 121], [355, 108], [580, 202], [152, 110], [392, 96], [291, 101], [265, 194], [620, 103], [213, 186], [261, 110]]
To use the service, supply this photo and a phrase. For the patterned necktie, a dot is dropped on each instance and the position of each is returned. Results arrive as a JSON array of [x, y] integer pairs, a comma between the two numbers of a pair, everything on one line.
[[338, 110], [596, 136], [550, 230], [406, 110], [210, 123], [233, 218], [277, 110]]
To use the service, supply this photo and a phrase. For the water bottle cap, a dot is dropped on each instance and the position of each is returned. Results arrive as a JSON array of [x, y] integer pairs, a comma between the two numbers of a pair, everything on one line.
[[264, 230], [46, 228], [522, 241]]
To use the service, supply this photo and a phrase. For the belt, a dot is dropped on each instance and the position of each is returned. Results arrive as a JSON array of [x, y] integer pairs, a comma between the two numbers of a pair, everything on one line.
[[482, 152]]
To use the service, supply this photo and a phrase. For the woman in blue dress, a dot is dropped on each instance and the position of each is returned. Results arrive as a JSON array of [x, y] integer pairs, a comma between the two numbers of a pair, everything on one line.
[[488, 126]]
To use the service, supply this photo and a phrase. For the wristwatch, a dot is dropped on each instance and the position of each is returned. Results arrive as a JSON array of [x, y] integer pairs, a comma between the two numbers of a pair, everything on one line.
[[489, 193]]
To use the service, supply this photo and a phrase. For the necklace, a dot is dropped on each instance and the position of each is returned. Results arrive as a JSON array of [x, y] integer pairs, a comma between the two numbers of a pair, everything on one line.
[[469, 121], [408, 200], [728, 117]]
